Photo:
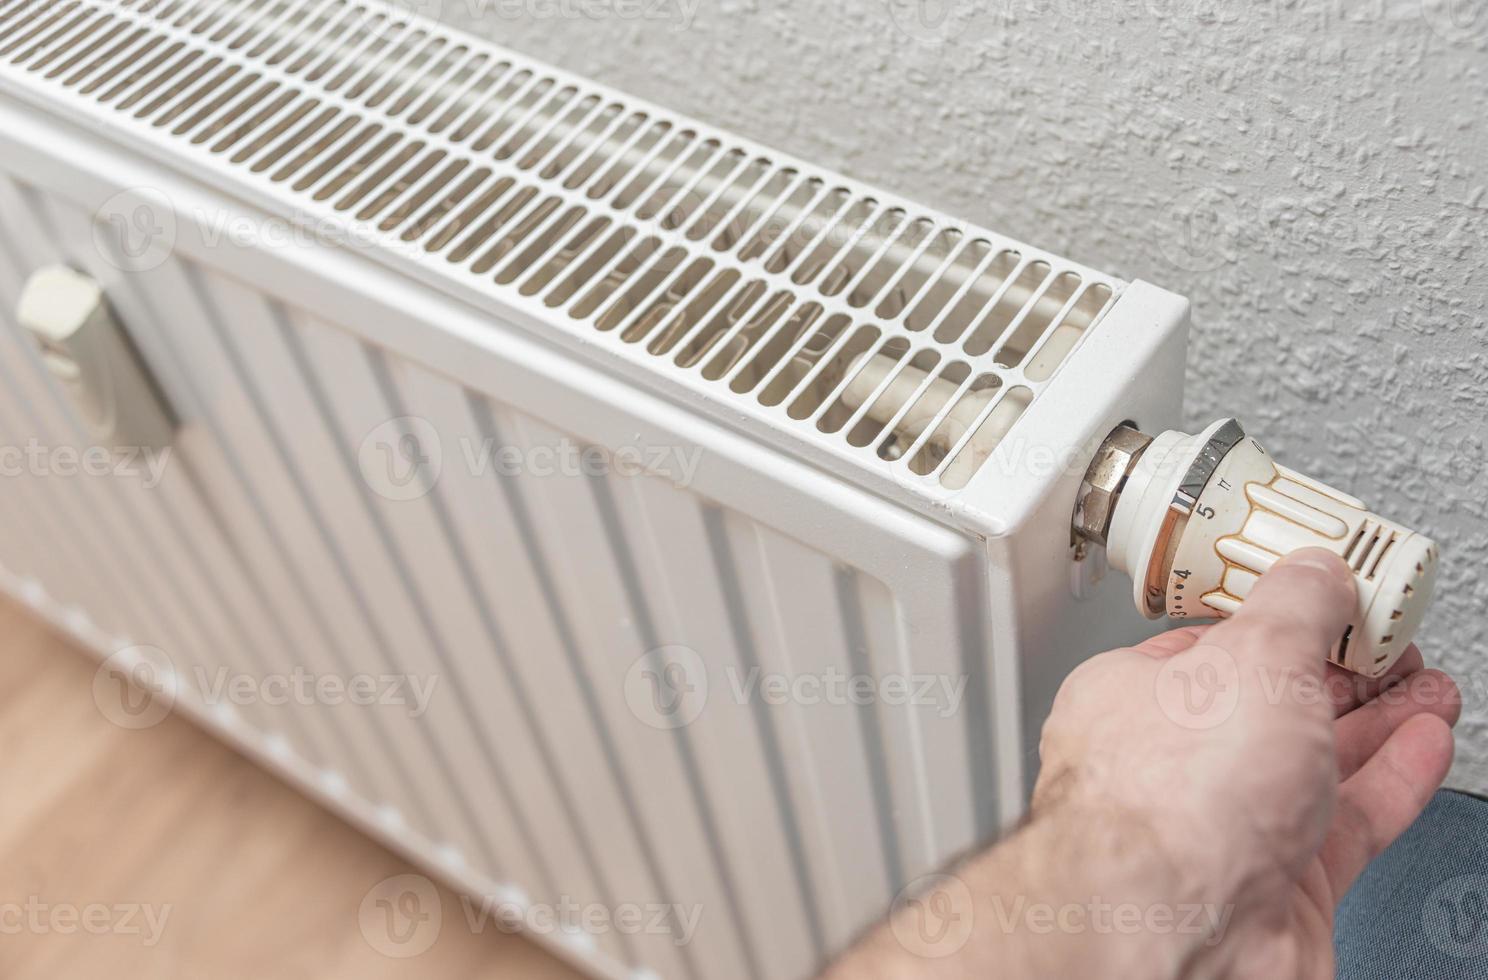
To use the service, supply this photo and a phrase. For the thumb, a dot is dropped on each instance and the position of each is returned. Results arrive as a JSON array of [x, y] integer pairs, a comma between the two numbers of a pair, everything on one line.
[[1294, 614]]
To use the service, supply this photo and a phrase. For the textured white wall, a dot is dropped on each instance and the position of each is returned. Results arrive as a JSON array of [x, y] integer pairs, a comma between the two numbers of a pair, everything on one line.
[[1312, 174]]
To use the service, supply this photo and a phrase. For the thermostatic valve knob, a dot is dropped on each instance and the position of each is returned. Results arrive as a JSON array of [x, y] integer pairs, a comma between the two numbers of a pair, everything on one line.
[[1200, 517]]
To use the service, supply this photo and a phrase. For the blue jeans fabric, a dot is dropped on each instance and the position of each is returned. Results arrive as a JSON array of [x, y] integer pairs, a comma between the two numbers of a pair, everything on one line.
[[1420, 910]]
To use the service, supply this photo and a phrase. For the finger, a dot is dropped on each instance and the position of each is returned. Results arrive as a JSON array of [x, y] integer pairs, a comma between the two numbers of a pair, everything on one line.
[[1380, 801], [1172, 642], [1347, 690], [1293, 615], [1361, 733]]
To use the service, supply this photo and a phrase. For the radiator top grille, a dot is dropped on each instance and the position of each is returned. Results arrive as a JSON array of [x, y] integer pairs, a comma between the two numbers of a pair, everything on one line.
[[868, 324]]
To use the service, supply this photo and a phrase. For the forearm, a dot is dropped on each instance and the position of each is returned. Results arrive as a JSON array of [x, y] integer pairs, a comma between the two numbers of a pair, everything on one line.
[[1070, 894]]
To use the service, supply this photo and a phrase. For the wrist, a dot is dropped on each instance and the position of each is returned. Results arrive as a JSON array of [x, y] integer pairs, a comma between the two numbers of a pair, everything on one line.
[[1075, 891], [1120, 902]]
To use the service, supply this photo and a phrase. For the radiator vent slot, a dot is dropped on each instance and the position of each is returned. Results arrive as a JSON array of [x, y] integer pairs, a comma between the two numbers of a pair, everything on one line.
[[760, 279]]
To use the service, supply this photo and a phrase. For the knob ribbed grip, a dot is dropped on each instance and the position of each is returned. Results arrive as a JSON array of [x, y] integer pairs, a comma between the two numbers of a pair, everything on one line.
[[1204, 516]]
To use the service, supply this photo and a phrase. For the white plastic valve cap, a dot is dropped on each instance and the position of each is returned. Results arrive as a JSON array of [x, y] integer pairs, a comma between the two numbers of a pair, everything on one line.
[[86, 349], [1203, 516]]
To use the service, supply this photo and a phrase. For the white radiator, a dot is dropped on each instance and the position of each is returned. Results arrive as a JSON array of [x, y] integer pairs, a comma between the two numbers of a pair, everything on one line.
[[418, 311]]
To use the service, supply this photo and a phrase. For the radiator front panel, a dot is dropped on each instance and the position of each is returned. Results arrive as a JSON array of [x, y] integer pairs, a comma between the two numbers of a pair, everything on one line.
[[550, 611], [407, 456]]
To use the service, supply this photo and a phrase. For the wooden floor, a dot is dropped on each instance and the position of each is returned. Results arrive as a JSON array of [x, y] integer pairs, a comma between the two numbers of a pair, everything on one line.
[[163, 854]]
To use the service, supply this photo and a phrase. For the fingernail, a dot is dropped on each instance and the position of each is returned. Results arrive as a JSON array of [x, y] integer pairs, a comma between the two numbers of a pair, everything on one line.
[[1319, 558]]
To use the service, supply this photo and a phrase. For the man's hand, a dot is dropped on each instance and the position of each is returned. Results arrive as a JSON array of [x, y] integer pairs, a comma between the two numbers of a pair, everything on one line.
[[1228, 769]]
